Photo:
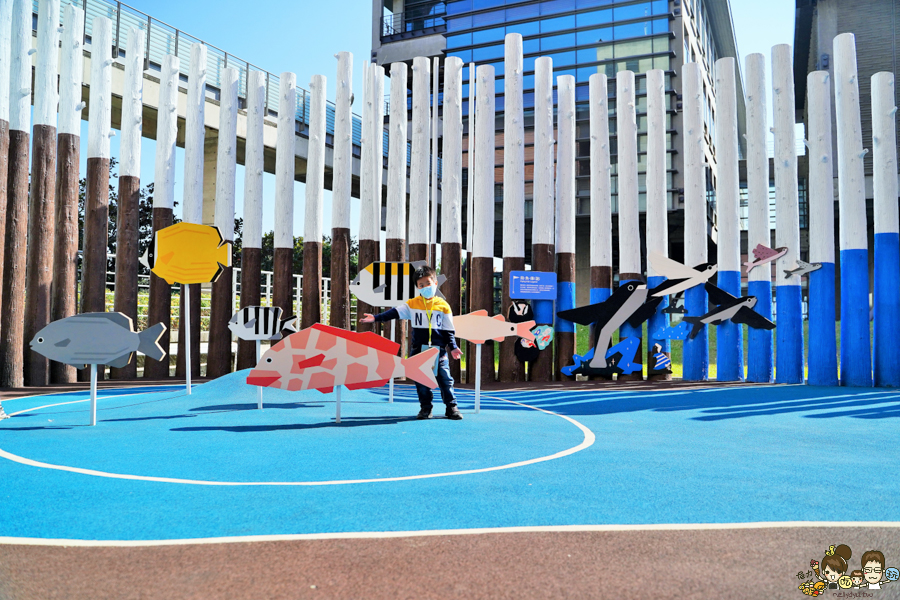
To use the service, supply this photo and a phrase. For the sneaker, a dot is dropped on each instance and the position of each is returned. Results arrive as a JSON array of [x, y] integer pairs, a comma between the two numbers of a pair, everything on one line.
[[453, 413], [424, 414]]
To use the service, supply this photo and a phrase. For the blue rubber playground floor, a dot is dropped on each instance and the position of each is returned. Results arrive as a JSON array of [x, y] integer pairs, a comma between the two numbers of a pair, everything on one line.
[[164, 465]]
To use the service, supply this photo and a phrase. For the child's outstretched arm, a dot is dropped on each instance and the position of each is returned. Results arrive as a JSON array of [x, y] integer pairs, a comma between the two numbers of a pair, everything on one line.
[[388, 315]]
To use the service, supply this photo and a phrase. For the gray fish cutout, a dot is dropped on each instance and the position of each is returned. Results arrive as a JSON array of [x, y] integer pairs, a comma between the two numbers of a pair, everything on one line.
[[261, 323], [97, 339], [803, 268]]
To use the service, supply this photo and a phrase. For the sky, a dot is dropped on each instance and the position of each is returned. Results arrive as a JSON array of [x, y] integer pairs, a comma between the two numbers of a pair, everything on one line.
[[303, 37]]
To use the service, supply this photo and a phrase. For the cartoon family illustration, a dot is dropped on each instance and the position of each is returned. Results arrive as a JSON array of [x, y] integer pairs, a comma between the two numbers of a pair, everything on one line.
[[832, 572]]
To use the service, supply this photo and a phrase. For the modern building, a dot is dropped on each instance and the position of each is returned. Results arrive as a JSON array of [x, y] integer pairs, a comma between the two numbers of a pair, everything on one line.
[[875, 24], [582, 37]]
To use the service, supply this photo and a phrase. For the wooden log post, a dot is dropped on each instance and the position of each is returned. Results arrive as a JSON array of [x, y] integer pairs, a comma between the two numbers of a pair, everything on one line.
[[42, 217], [315, 191], [419, 160], [451, 191], [285, 150], [761, 349], [513, 194], [856, 352], [339, 315], [96, 211], [12, 319], [601, 199], [730, 344], [159, 307], [696, 351], [470, 212], [822, 357], [6, 7], [435, 149], [219, 358], [565, 227], [372, 165], [194, 143], [251, 250], [789, 365], [395, 248], [483, 250], [543, 251], [657, 212], [65, 252], [629, 216], [128, 218], [887, 232]]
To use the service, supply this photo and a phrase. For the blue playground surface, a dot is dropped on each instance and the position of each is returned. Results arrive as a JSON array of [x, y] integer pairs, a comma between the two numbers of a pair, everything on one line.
[[164, 465]]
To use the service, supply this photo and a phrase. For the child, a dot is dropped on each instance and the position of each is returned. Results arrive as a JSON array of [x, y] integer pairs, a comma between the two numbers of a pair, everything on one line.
[[857, 577], [834, 565], [432, 326]]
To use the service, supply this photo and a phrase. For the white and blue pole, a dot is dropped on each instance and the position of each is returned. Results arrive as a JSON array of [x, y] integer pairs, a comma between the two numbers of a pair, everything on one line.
[[730, 338], [761, 350], [657, 210], [886, 352], [822, 356], [601, 207], [856, 353], [696, 351], [789, 365]]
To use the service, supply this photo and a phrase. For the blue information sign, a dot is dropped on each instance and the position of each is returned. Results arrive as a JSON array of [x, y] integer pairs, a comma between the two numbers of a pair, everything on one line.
[[532, 285]]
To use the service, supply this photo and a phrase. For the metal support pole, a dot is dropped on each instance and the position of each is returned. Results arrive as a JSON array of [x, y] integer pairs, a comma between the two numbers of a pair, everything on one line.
[[337, 409], [186, 311], [477, 378], [93, 395]]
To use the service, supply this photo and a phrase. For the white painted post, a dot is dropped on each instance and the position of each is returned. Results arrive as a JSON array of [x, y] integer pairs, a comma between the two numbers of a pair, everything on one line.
[[166, 135], [253, 161], [132, 106], [435, 109], [822, 358], [194, 134], [761, 350], [789, 366], [377, 156], [696, 351], [285, 157], [601, 200], [657, 210], [46, 64], [730, 346], [99, 123], [855, 342], [483, 243], [451, 182], [418, 166], [337, 406], [470, 193], [71, 72], [226, 159], [93, 395], [629, 230], [343, 143], [514, 152], [396, 196], [368, 143], [565, 222], [6, 12], [887, 231], [315, 194]]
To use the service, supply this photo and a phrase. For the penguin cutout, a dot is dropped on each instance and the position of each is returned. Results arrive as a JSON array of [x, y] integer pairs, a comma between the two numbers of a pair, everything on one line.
[[519, 312]]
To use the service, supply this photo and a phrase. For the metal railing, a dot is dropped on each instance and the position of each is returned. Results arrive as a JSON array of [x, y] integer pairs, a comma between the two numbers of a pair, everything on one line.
[[403, 25], [143, 286]]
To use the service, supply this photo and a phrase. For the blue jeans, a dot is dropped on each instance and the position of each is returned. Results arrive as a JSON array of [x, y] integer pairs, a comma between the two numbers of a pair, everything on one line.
[[445, 382]]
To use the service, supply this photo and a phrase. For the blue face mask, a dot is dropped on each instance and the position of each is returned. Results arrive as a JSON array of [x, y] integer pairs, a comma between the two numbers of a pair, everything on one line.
[[428, 291]]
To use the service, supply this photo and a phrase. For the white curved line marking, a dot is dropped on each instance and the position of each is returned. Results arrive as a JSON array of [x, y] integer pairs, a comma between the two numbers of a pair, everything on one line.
[[339, 535], [77, 401], [588, 440]]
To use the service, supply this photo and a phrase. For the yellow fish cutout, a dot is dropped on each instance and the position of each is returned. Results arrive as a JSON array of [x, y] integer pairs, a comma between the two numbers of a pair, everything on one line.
[[188, 253]]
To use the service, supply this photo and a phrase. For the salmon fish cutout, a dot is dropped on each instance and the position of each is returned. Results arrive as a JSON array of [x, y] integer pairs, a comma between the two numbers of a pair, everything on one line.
[[322, 357], [764, 254], [478, 327], [188, 253]]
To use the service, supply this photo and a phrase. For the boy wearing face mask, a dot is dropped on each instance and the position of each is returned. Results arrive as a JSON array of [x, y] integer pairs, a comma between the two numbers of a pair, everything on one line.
[[432, 326]]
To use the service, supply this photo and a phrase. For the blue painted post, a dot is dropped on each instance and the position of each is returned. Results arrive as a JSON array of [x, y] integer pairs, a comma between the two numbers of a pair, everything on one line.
[[761, 350], [822, 358], [629, 219], [856, 353], [696, 351], [887, 239], [601, 207], [657, 215], [789, 366], [730, 339]]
